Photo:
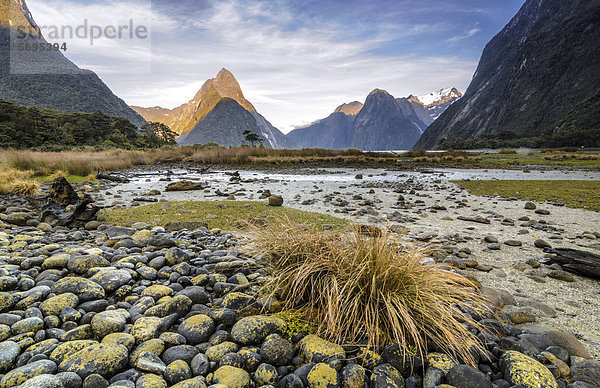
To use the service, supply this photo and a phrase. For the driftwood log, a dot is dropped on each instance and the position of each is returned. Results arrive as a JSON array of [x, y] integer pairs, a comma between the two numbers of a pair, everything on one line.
[[580, 262]]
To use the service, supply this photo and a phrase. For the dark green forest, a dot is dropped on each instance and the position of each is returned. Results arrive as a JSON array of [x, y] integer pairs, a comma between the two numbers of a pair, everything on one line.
[[48, 130]]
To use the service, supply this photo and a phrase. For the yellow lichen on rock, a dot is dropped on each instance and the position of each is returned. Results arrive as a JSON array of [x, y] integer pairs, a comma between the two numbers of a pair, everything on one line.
[[56, 304], [322, 376], [441, 361], [316, 349], [68, 348], [232, 377], [524, 370]]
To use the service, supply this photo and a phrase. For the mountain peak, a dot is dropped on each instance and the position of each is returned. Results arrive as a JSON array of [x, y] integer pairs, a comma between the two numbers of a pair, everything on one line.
[[439, 97], [378, 91], [350, 108]]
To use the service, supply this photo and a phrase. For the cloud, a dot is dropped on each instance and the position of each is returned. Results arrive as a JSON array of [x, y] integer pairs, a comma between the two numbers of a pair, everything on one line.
[[469, 34], [294, 65]]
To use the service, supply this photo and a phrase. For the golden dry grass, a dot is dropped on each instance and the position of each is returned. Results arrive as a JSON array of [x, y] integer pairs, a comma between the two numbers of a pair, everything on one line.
[[371, 290], [17, 182]]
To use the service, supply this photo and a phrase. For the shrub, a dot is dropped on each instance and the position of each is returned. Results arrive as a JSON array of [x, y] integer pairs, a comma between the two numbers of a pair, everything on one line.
[[369, 290]]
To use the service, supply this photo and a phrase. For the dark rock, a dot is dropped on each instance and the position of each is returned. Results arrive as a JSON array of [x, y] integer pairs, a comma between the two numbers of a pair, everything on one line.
[[539, 243], [95, 381], [197, 329], [62, 192], [386, 376], [587, 371], [275, 200], [179, 352], [185, 186], [276, 350], [465, 376], [254, 329]]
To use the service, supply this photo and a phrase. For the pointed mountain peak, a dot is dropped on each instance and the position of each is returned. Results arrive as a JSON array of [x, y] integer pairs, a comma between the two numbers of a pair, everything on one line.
[[350, 108], [378, 91], [225, 75], [226, 85]]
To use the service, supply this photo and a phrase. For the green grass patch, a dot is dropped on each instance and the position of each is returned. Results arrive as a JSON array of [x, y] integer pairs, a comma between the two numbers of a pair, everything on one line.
[[225, 218], [575, 194]]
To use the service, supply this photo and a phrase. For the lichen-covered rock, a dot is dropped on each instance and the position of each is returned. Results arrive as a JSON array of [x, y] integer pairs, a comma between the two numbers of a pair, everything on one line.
[[108, 322], [236, 300], [587, 371], [111, 279], [216, 353], [151, 381], [197, 328], [353, 376], [196, 382], [27, 325], [85, 289], [9, 351], [81, 264], [67, 349], [232, 377], [58, 261], [179, 304], [441, 361], [157, 291], [177, 371], [315, 349], [54, 305], [176, 256], [103, 359], [386, 376], [265, 375], [518, 368], [145, 328], [124, 339], [43, 381], [253, 330], [277, 350], [20, 375], [149, 362], [155, 346], [323, 376], [6, 301]]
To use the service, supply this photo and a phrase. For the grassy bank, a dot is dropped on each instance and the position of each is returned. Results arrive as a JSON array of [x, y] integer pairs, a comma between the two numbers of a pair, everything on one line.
[[575, 194], [85, 163], [223, 215]]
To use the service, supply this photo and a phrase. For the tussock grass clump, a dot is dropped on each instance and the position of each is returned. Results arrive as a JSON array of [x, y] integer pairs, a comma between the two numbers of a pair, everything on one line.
[[17, 182], [369, 290]]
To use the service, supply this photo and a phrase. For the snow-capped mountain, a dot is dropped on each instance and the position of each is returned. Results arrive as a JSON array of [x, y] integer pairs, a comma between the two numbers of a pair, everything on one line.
[[437, 102]]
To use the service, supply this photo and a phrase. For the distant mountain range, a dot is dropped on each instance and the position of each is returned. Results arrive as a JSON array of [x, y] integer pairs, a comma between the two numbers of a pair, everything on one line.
[[218, 113], [382, 123], [543, 66], [47, 79]]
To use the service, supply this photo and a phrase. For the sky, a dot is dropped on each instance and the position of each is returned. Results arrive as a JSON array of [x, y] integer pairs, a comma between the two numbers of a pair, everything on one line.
[[296, 61]]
